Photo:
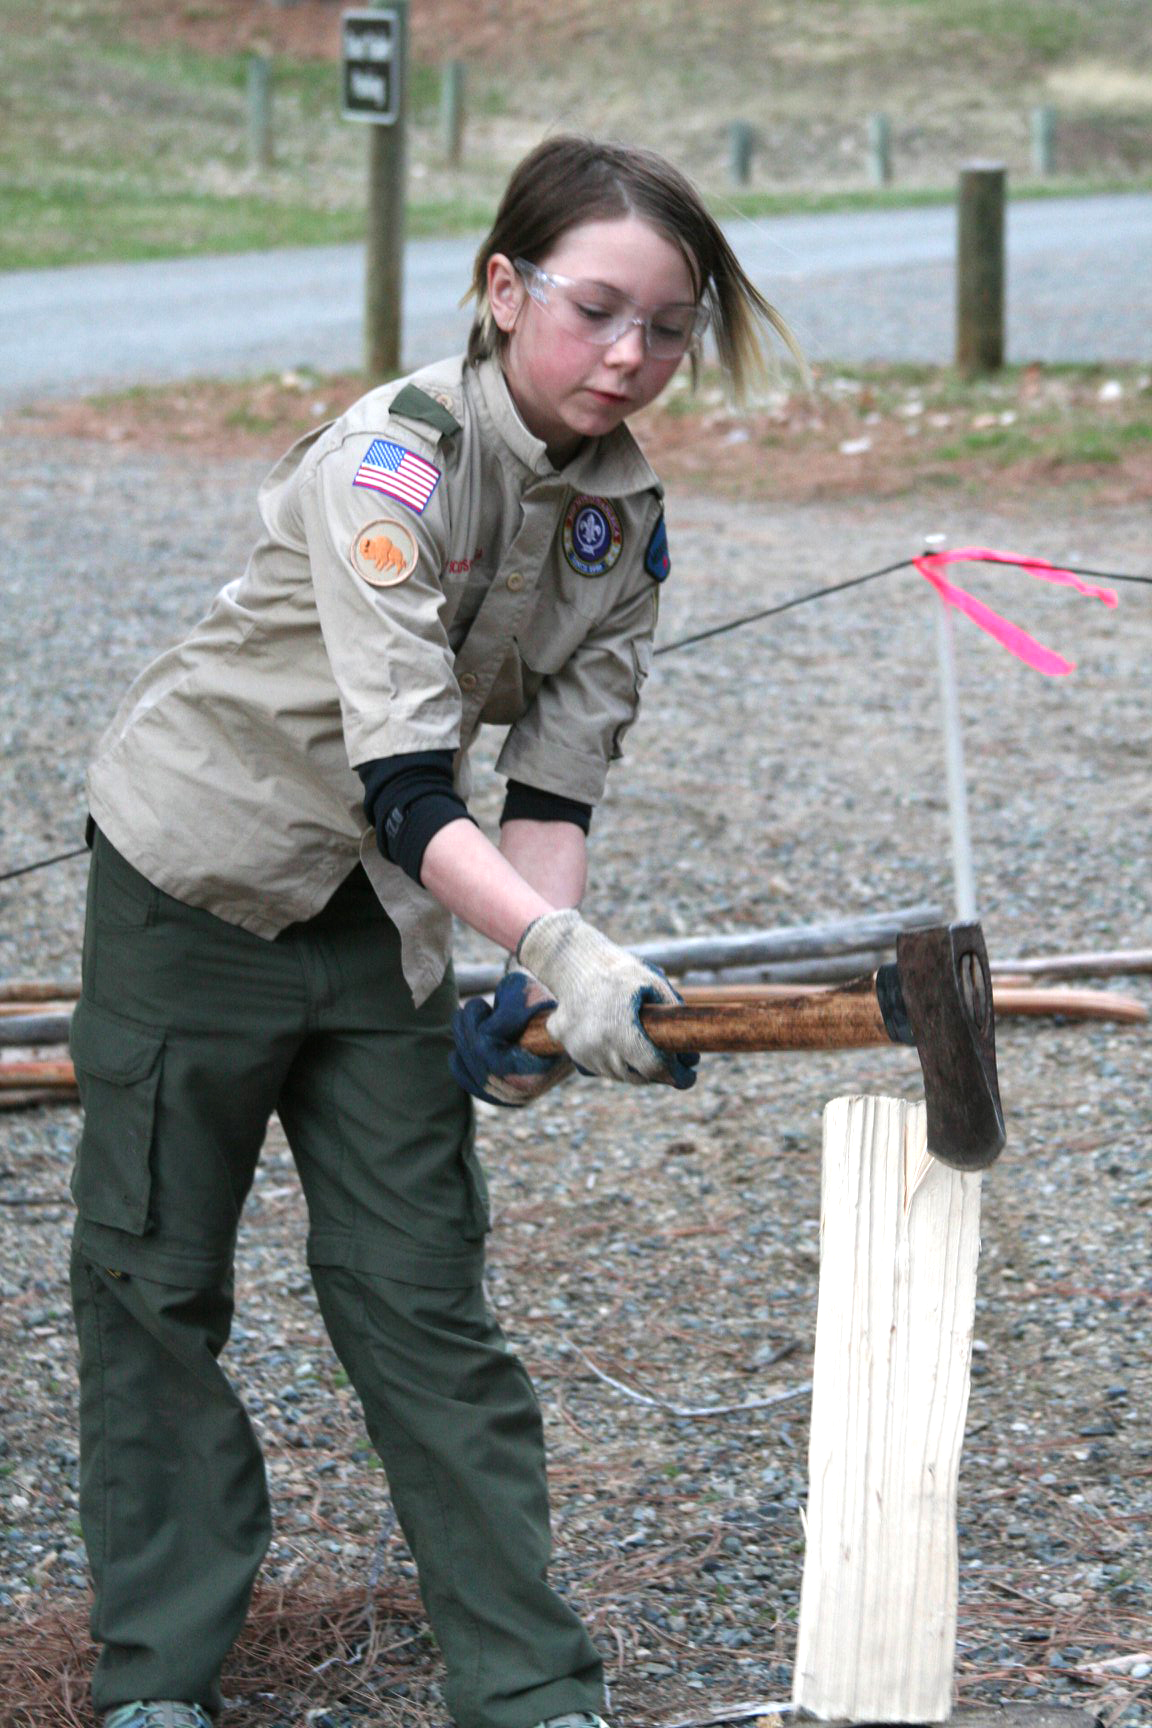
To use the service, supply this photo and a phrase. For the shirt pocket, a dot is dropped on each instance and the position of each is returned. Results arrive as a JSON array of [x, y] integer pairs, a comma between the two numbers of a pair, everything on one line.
[[118, 1069]]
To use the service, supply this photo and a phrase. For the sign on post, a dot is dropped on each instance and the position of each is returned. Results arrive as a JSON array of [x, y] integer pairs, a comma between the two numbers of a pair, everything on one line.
[[374, 56], [370, 65]]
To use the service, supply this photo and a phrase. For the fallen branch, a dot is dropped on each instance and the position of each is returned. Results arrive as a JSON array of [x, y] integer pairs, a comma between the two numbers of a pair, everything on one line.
[[678, 1410]]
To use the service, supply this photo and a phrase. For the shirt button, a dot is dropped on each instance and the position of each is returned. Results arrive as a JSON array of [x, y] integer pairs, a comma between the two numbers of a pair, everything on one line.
[[515, 581], [468, 681]]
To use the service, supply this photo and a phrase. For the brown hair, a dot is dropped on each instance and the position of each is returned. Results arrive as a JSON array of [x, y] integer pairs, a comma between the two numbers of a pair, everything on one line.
[[568, 180]]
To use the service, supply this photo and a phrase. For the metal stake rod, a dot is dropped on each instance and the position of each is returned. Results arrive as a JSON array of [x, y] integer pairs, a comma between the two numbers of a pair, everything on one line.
[[962, 872]]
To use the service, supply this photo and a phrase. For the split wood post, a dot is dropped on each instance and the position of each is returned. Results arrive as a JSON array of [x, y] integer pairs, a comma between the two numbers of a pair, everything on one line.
[[899, 1240], [260, 110], [452, 87], [880, 149], [980, 268]]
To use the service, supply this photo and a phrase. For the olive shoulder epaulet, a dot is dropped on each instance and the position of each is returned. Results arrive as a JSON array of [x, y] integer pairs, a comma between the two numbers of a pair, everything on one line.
[[412, 403]]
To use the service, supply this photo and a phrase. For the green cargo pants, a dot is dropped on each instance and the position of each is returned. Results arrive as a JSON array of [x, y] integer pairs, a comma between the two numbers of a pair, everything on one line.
[[189, 1033]]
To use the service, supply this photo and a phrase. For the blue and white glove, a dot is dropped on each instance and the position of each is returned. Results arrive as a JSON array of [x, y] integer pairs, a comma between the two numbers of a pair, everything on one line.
[[600, 990], [487, 1060]]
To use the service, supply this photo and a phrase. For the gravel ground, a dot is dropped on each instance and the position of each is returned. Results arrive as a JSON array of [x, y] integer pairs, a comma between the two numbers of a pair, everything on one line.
[[787, 772]]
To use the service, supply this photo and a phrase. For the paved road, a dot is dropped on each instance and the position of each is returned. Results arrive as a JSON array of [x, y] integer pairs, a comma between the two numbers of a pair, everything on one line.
[[859, 286]]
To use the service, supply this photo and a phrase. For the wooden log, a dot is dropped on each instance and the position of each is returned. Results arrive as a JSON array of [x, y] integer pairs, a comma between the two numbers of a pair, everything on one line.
[[678, 954], [1101, 963], [1068, 1004], [38, 990], [899, 1242], [20, 1100], [32, 1029], [836, 969], [17, 1076]]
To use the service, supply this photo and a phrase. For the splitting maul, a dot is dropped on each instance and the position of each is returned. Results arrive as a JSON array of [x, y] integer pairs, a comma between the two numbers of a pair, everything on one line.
[[936, 995]]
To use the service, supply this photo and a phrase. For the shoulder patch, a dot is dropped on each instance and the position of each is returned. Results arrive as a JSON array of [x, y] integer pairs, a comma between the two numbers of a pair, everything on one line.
[[385, 552], [657, 560], [399, 473], [416, 404]]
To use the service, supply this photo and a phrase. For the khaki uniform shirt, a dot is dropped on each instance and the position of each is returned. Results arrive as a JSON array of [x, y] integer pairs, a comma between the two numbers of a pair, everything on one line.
[[375, 618]]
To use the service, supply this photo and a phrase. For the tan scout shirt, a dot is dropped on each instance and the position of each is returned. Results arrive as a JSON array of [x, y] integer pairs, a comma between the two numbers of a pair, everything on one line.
[[364, 627]]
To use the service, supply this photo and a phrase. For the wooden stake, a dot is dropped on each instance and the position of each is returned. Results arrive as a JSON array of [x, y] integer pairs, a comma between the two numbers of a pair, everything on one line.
[[900, 1236]]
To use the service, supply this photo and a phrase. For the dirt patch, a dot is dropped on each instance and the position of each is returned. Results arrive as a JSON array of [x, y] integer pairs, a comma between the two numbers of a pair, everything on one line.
[[310, 29], [875, 433]]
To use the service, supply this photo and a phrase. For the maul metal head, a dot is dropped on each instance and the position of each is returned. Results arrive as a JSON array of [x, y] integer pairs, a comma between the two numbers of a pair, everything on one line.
[[938, 996]]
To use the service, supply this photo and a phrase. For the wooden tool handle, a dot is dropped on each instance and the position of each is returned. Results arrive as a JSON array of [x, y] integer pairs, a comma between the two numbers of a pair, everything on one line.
[[817, 1020]]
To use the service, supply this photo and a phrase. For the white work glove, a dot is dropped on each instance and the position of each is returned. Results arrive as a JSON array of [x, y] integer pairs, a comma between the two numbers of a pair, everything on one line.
[[599, 990]]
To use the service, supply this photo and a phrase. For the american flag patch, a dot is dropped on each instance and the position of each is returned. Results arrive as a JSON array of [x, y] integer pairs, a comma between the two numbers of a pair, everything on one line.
[[399, 473]]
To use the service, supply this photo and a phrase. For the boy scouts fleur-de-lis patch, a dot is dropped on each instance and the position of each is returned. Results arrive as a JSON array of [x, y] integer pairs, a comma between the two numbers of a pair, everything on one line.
[[593, 538]]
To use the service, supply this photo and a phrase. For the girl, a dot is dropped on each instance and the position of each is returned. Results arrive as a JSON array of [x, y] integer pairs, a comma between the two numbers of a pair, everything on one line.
[[479, 543]]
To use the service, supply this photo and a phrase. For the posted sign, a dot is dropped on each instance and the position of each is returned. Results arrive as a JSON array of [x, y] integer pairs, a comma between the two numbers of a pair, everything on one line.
[[370, 65]]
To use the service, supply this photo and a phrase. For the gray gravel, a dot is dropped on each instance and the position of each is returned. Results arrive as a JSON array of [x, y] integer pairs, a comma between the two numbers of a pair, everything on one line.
[[789, 772]]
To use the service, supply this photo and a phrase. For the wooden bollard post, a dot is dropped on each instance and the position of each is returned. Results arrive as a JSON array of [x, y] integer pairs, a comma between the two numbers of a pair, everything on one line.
[[453, 82], [899, 1241], [1043, 141], [384, 250], [880, 149], [741, 143], [260, 110], [980, 268]]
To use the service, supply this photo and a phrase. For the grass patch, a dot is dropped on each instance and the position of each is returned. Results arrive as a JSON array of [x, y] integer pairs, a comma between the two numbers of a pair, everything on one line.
[[123, 132], [87, 225]]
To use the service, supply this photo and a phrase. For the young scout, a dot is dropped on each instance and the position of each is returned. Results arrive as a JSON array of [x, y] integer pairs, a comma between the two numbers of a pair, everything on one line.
[[280, 841]]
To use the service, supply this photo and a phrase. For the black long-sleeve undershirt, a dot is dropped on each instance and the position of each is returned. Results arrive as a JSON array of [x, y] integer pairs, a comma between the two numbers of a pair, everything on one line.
[[408, 798]]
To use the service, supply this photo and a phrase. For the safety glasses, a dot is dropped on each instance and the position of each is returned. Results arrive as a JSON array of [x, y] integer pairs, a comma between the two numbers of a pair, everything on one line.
[[598, 314]]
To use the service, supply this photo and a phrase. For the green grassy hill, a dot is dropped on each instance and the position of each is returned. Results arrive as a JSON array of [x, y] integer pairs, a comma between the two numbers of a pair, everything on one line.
[[123, 122]]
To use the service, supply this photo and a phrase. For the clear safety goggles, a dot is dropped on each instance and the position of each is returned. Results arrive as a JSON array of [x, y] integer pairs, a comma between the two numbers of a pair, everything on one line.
[[598, 314]]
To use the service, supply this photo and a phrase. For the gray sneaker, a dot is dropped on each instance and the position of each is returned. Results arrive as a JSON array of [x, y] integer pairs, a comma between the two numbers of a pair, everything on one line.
[[574, 1719], [157, 1713]]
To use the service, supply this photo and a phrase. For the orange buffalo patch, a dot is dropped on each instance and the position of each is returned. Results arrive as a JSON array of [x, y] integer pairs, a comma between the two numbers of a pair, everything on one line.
[[385, 553]]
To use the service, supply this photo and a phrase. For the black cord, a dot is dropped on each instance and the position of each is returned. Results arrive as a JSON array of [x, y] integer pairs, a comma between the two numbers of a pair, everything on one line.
[[706, 635], [784, 606], [42, 864]]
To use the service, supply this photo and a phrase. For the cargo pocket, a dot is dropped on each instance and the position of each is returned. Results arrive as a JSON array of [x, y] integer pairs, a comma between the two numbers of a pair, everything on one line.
[[118, 1073]]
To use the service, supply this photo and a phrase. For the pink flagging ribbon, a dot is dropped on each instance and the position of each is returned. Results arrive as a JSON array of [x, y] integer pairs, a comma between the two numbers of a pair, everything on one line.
[[1009, 635]]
